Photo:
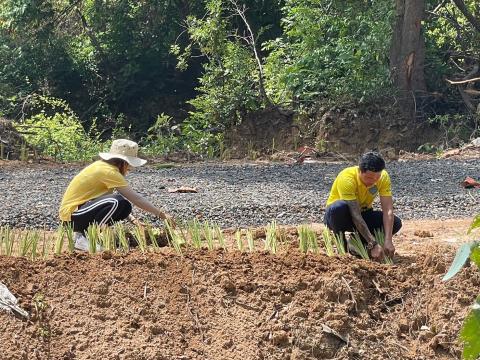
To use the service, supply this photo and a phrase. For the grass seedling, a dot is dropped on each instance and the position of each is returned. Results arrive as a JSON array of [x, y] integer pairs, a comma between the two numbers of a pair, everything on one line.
[[194, 230], [59, 239], [140, 237], [250, 241], [44, 245], [313, 241], [307, 239], [152, 236], [271, 237], [69, 232], [93, 237], [238, 238], [380, 239], [302, 238], [208, 234], [357, 244], [35, 239], [121, 235], [174, 238], [339, 241], [23, 243], [107, 238], [220, 237], [328, 242], [8, 240]]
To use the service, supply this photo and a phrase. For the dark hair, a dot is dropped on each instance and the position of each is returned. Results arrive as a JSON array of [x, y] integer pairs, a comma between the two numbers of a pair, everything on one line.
[[119, 163], [371, 161]]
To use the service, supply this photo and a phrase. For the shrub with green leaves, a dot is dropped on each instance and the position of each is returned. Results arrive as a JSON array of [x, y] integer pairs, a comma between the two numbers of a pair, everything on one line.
[[330, 49], [55, 130], [471, 326]]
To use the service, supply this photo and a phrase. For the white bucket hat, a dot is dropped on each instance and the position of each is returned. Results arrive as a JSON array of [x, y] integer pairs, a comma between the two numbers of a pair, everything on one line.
[[126, 150]]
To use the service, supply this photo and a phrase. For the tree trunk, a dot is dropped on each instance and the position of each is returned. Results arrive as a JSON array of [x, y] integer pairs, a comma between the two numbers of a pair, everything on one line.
[[407, 54]]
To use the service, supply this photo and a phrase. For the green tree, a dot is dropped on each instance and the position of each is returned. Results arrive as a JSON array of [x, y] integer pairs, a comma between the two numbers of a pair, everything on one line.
[[330, 49]]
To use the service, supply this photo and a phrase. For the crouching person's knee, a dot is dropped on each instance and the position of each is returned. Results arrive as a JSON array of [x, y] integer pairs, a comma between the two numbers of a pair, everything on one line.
[[397, 224], [124, 208]]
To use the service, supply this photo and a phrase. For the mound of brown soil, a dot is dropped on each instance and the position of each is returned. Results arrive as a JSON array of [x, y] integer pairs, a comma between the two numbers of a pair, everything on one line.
[[217, 305]]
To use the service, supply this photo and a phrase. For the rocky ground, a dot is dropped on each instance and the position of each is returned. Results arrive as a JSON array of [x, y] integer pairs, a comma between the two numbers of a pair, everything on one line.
[[232, 305], [245, 194]]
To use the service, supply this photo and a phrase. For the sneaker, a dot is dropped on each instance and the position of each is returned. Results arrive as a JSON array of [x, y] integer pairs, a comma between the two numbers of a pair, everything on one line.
[[81, 242]]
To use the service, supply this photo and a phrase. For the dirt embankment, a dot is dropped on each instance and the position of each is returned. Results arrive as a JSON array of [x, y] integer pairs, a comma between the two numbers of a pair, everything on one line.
[[217, 305]]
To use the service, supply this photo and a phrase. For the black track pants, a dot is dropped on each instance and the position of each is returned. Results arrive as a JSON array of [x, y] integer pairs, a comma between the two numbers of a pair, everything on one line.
[[339, 219], [104, 210]]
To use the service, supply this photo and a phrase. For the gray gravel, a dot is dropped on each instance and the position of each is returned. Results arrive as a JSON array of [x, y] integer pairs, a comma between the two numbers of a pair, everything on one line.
[[247, 194]]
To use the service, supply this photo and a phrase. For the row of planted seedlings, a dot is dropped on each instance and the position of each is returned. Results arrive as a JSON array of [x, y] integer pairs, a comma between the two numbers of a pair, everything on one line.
[[195, 234]]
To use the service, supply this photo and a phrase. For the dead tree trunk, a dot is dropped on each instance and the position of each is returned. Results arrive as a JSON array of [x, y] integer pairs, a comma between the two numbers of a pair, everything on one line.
[[407, 54]]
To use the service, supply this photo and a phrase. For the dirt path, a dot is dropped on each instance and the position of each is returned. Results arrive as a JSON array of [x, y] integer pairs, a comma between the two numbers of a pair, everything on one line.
[[217, 305]]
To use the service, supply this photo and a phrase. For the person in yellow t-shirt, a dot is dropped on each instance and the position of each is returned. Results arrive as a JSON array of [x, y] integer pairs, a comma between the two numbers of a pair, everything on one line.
[[90, 197], [349, 205]]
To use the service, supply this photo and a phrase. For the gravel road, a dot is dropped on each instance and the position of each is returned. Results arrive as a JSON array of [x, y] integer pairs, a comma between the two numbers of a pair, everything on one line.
[[247, 194]]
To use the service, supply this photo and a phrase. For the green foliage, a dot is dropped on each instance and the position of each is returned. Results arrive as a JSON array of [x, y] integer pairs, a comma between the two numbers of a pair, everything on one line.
[[470, 331], [457, 128], [161, 137], [330, 49], [56, 131], [471, 325], [230, 83]]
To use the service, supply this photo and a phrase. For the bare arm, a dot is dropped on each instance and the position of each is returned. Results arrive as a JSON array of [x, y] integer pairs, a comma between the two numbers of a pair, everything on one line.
[[387, 208], [359, 223], [138, 200]]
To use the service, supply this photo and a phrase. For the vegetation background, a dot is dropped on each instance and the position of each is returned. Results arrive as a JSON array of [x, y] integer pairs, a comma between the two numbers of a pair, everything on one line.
[[180, 75]]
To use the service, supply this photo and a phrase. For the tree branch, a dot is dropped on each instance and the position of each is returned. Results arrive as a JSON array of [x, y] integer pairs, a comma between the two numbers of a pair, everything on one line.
[[472, 19]]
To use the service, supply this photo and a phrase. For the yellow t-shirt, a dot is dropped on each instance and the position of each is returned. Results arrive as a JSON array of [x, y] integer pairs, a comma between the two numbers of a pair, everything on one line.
[[348, 186], [95, 180]]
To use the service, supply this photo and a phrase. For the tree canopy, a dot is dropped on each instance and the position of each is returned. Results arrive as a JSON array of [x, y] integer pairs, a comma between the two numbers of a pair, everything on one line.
[[120, 65]]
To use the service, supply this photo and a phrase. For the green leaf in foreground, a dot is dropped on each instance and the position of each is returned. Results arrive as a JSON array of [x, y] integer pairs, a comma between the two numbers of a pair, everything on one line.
[[475, 255], [475, 224], [470, 333], [460, 259]]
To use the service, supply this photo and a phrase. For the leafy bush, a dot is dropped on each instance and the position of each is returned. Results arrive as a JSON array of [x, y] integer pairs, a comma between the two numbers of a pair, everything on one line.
[[229, 85], [330, 49], [471, 326], [54, 130]]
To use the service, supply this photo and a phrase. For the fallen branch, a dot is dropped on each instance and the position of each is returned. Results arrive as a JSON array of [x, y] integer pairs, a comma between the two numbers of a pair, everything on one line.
[[351, 293], [457, 82]]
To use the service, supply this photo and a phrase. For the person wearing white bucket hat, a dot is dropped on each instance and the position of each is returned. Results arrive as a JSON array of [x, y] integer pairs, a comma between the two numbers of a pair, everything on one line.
[[89, 197]]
